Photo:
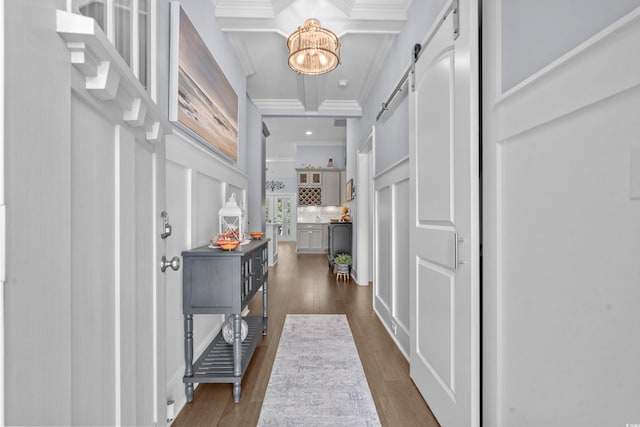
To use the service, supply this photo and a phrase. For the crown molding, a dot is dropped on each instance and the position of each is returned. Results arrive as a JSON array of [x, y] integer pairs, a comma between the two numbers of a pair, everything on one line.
[[293, 107], [244, 9]]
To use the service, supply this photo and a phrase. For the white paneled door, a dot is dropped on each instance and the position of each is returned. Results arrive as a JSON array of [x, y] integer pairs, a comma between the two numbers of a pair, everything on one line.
[[444, 217]]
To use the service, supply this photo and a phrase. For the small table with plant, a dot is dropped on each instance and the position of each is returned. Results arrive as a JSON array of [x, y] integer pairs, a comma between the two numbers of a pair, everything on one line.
[[343, 262]]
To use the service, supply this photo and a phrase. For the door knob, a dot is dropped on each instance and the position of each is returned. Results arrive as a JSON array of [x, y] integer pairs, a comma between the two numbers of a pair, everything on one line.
[[174, 263]]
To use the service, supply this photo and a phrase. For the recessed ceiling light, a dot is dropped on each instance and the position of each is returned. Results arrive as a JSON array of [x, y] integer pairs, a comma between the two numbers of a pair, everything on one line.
[[343, 83], [308, 132]]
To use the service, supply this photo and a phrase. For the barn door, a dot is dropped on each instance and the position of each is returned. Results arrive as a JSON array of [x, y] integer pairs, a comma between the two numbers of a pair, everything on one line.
[[445, 221]]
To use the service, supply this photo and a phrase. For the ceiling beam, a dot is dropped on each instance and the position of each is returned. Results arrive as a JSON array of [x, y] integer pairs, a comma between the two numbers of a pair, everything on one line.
[[310, 90]]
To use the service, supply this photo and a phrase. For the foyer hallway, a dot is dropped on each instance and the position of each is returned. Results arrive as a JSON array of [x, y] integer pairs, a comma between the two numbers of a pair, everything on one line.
[[301, 284]]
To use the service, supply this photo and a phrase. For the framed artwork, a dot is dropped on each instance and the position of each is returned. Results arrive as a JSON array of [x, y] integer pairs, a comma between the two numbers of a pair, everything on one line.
[[350, 190], [201, 100]]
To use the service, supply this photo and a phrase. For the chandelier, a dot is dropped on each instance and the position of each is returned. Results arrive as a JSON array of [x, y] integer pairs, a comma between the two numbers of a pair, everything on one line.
[[313, 49]]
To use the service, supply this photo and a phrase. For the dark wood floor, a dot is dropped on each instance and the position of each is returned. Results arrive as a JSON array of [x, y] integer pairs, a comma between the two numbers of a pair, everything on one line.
[[301, 284]]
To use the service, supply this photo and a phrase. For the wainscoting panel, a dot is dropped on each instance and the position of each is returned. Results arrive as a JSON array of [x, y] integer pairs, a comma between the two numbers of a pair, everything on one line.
[[560, 295], [384, 252], [179, 190], [401, 291], [146, 269], [391, 276], [114, 280], [93, 302], [197, 185], [209, 198]]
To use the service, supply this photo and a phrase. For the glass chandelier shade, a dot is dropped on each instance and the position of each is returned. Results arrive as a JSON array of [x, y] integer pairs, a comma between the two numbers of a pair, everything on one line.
[[312, 49]]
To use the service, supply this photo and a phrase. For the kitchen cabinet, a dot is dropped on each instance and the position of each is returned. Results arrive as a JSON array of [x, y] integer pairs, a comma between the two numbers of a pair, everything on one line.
[[331, 188], [312, 238], [320, 187], [309, 178], [343, 189]]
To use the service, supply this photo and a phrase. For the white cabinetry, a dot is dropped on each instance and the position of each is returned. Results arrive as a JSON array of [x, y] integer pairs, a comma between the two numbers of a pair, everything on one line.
[[321, 187], [312, 238], [343, 190], [331, 188], [309, 178]]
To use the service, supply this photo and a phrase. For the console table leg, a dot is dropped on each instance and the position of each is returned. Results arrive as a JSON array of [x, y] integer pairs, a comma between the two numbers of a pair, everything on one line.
[[264, 308], [188, 354], [188, 391], [237, 345], [236, 392]]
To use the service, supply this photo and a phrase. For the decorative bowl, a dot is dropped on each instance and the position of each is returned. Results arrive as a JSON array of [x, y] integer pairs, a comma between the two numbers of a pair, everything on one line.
[[228, 245], [255, 235]]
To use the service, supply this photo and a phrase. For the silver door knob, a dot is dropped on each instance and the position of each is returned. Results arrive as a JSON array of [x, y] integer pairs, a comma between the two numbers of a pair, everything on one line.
[[174, 263]]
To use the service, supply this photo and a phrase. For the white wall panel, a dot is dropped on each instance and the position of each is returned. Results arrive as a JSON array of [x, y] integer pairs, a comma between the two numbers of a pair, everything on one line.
[[561, 238], [125, 270], [179, 209], [569, 305], [384, 249], [197, 183], [146, 261], [92, 279], [205, 205], [391, 276], [112, 284], [527, 48], [37, 168], [208, 201], [401, 308]]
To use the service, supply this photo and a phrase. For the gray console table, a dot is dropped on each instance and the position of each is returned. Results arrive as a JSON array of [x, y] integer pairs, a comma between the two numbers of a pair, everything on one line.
[[223, 282]]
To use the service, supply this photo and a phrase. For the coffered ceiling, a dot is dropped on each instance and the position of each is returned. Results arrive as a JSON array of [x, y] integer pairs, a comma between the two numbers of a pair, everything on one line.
[[258, 31]]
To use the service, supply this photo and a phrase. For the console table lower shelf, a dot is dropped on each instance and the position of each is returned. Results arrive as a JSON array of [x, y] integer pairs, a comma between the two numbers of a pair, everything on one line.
[[217, 363]]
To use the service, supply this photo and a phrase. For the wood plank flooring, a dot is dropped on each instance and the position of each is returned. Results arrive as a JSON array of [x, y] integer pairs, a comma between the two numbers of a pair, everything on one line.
[[301, 284]]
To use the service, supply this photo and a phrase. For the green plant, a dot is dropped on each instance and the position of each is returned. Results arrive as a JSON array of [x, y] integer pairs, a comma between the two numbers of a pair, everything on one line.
[[343, 259]]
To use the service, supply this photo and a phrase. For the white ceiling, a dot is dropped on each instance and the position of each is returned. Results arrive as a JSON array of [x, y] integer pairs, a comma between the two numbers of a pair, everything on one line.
[[258, 31], [287, 133]]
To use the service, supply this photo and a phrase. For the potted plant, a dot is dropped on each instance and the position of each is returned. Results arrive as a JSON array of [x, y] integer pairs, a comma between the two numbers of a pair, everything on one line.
[[343, 261]]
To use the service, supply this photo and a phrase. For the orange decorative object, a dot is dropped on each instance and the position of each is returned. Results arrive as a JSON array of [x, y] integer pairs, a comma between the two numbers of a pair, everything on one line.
[[255, 235], [228, 245]]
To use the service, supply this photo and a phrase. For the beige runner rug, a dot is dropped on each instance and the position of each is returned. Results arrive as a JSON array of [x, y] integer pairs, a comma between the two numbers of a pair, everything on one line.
[[317, 378]]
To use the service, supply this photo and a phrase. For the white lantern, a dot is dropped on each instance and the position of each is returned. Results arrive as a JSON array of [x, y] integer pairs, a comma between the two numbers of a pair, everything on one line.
[[231, 221]]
